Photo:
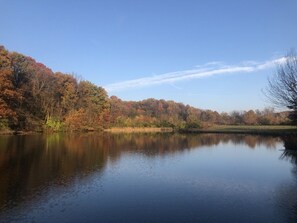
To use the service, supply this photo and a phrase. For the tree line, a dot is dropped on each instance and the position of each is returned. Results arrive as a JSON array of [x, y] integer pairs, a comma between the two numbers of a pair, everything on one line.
[[161, 113], [33, 97]]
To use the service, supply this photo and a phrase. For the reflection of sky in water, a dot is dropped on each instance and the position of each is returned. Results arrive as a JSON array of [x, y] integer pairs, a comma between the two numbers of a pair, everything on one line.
[[228, 180]]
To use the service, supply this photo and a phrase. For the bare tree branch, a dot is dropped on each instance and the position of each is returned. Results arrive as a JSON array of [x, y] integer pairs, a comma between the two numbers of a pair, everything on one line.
[[282, 87]]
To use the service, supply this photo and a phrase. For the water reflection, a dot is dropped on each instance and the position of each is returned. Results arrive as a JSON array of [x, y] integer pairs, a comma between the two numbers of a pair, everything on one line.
[[31, 163], [287, 198]]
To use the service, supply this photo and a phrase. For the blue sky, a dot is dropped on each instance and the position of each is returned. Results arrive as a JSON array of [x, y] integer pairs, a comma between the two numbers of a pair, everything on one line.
[[209, 54]]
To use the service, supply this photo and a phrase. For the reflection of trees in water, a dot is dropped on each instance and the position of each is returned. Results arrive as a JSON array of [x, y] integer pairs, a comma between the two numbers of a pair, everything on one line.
[[290, 152], [290, 142], [252, 141], [30, 163], [287, 195], [162, 144]]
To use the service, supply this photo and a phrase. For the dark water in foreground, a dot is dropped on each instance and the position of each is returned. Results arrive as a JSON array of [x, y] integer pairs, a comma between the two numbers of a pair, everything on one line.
[[146, 178]]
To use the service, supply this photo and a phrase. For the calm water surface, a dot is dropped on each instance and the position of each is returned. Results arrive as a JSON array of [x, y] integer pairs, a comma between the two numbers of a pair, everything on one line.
[[147, 178]]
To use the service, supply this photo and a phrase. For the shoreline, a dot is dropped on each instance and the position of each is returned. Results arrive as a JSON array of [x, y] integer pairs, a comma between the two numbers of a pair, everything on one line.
[[252, 130], [227, 129], [138, 130]]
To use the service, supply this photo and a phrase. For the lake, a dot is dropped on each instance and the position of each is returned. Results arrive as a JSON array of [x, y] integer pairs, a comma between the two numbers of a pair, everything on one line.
[[147, 178]]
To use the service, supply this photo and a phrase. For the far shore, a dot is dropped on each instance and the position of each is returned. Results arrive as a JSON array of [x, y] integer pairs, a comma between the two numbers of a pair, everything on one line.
[[275, 130], [272, 130]]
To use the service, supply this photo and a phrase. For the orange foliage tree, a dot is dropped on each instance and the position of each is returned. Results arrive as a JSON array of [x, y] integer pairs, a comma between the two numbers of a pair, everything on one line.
[[9, 97]]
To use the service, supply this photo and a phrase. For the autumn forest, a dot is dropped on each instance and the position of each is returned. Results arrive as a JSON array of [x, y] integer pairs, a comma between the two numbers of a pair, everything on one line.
[[34, 98]]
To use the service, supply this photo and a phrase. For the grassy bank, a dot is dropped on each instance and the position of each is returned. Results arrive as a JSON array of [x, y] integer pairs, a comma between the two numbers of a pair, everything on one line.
[[277, 130], [136, 129], [248, 129]]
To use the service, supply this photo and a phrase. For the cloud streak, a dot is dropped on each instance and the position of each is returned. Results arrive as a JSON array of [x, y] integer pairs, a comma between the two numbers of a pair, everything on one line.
[[207, 70]]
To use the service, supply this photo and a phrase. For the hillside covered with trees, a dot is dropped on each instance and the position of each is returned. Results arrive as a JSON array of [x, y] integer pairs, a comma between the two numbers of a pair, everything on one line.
[[34, 98]]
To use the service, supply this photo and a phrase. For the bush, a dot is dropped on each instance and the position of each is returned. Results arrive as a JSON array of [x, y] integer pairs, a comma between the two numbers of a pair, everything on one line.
[[54, 125], [192, 125], [4, 124]]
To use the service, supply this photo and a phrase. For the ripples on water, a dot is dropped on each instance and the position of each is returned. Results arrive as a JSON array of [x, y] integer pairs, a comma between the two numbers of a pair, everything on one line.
[[147, 178]]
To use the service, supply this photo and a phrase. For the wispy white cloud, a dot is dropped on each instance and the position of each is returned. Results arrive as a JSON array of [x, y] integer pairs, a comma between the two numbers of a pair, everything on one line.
[[207, 70]]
